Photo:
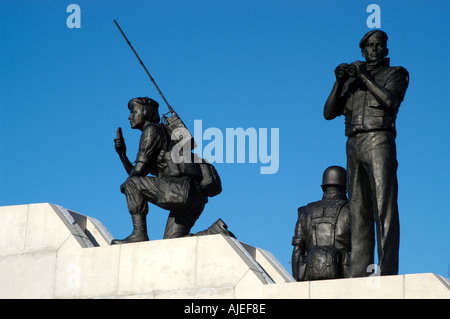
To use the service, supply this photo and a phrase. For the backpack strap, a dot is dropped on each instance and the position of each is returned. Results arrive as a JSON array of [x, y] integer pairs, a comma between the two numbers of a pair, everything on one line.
[[165, 147], [333, 226], [314, 212], [160, 159]]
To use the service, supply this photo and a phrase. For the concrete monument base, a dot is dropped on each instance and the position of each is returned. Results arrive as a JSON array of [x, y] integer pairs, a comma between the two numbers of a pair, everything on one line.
[[47, 251]]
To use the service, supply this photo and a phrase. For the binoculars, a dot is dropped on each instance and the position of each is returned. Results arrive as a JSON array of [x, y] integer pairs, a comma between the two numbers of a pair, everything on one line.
[[343, 70]]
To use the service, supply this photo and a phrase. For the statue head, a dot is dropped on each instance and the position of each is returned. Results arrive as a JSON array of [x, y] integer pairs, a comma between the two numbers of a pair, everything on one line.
[[143, 110], [374, 46], [334, 176]]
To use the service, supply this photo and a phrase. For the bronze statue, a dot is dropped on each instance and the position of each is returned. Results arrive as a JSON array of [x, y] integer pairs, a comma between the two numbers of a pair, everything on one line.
[[369, 94], [322, 233], [177, 187], [182, 181]]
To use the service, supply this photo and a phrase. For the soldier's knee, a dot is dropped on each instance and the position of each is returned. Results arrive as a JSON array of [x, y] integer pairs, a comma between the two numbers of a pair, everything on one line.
[[128, 185]]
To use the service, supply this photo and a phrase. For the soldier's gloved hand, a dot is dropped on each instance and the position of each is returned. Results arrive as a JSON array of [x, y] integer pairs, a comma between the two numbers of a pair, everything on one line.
[[340, 72], [119, 142], [360, 68]]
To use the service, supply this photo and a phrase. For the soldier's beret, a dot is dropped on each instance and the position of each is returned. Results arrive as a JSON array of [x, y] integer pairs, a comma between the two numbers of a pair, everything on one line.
[[377, 33]]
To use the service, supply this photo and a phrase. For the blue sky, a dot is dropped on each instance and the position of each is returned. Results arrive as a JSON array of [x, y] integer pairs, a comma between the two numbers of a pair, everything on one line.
[[254, 63]]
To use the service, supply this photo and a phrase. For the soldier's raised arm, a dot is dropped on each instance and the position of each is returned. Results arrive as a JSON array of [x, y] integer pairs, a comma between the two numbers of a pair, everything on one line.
[[334, 104], [121, 149]]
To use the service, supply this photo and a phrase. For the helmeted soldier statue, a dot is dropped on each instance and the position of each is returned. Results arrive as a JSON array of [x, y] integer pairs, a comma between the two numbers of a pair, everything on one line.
[[369, 94], [181, 194], [322, 233]]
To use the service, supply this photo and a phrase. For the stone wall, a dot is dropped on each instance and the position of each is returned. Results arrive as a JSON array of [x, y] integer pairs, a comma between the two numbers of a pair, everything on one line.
[[47, 251]]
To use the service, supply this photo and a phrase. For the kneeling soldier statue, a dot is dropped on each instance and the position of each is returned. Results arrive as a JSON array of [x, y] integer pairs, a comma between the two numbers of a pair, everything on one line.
[[322, 233], [179, 188]]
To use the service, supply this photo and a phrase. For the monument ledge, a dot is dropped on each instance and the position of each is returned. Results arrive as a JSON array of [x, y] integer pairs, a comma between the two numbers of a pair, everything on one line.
[[47, 251]]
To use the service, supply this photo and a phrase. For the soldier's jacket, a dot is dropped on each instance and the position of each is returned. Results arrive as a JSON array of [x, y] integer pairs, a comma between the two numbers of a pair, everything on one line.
[[362, 111], [322, 223]]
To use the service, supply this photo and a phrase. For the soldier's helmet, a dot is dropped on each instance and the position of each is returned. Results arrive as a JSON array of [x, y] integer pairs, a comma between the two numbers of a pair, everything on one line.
[[334, 176]]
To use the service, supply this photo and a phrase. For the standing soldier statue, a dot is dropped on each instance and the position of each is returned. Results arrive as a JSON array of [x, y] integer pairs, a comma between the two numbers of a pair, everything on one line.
[[322, 233], [369, 94]]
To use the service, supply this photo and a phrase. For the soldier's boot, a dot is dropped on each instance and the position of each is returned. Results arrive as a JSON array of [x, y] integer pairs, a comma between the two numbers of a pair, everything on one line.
[[139, 231], [219, 227]]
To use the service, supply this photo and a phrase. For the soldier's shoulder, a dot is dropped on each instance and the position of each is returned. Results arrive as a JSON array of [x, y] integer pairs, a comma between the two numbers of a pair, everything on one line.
[[316, 203], [152, 129], [344, 207], [332, 201], [303, 210], [399, 74], [306, 209], [400, 69], [151, 135]]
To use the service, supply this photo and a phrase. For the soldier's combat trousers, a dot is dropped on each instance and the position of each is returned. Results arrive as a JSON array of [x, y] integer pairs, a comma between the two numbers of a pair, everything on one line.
[[372, 192], [140, 190]]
